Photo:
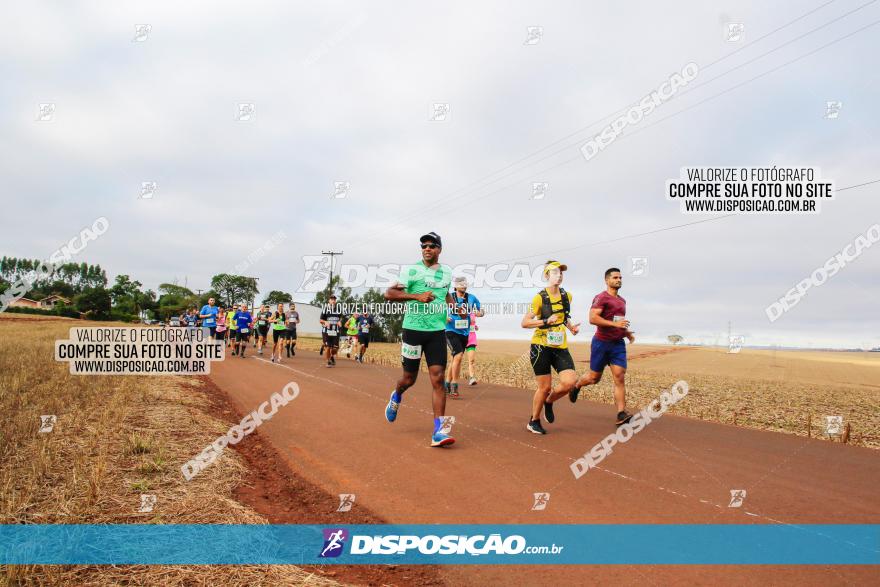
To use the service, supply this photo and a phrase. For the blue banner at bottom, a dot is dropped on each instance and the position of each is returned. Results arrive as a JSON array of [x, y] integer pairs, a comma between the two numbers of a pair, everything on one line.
[[717, 544]]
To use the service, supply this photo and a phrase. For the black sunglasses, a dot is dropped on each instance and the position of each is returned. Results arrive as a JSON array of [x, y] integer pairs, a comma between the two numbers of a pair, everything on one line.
[[430, 246]]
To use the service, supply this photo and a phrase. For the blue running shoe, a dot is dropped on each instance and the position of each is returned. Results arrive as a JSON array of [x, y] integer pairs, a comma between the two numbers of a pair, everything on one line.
[[392, 407], [440, 439]]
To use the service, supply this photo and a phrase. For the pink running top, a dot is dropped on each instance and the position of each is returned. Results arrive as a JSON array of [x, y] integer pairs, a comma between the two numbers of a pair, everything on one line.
[[472, 335]]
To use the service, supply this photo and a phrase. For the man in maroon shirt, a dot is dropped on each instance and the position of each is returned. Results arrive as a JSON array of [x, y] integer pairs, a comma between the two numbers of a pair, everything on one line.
[[608, 314]]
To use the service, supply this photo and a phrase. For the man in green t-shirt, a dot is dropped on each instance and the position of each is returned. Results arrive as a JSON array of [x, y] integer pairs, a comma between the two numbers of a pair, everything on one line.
[[425, 289], [279, 332], [351, 331]]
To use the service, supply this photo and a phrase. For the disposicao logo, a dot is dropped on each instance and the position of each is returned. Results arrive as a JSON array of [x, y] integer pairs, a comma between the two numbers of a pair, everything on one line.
[[334, 542]]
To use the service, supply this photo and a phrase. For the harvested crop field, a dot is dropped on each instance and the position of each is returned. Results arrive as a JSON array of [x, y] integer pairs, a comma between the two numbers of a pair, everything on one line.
[[782, 391], [115, 439]]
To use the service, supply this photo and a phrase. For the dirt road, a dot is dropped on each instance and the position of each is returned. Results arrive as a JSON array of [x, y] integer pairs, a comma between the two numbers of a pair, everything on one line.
[[676, 470]]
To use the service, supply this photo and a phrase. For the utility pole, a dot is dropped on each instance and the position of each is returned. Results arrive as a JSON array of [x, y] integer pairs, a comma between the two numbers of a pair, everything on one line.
[[256, 279], [330, 282]]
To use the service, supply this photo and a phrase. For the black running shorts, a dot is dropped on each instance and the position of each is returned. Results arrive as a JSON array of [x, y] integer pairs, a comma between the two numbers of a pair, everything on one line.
[[545, 357], [431, 344], [456, 342]]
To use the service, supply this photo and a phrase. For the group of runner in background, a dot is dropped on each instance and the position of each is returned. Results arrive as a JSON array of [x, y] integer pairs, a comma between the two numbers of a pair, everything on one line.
[[440, 314], [356, 337], [237, 327]]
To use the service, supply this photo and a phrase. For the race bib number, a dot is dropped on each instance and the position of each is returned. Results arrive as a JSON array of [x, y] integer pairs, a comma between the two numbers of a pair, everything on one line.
[[555, 337], [244, 330], [365, 329], [411, 351], [461, 324], [262, 322], [331, 331]]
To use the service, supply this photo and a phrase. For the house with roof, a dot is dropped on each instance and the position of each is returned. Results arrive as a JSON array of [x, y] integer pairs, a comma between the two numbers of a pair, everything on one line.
[[47, 303]]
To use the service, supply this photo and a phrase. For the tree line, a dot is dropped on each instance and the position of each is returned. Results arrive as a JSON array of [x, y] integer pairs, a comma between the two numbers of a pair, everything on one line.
[[86, 286]]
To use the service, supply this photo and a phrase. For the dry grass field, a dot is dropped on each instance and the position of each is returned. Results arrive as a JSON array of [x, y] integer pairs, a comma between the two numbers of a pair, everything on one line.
[[782, 391], [116, 437]]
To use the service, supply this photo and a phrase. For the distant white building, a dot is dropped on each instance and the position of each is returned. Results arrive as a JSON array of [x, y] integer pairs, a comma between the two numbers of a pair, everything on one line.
[[308, 319]]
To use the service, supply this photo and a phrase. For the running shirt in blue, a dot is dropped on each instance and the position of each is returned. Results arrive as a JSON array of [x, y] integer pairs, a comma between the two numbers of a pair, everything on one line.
[[458, 324], [191, 320], [211, 320], [243, 320], [364, 323]]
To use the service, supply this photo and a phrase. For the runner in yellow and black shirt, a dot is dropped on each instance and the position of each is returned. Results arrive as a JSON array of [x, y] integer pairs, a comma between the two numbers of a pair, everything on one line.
[[550, 316]]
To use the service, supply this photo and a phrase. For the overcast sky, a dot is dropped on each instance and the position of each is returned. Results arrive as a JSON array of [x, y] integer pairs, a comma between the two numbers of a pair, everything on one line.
[[344, 92]]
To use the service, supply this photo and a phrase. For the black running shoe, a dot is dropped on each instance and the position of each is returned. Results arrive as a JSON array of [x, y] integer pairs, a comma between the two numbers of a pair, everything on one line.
[[534, 426], [548, 412], [623, 418], [573, 394]]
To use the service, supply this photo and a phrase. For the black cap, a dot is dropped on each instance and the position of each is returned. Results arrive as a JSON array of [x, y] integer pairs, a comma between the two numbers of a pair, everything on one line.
[[432, 236]]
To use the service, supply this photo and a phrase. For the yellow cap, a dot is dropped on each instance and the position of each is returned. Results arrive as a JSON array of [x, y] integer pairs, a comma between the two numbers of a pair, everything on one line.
[[555, 265]]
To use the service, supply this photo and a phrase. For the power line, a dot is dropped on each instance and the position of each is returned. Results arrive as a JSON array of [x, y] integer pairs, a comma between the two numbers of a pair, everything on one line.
[[858, 185], [444, 201], [658, 121], [636, 235], [692, 106]]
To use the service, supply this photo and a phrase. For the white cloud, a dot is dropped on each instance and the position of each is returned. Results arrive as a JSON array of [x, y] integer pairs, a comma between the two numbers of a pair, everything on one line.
[[162, 110]]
